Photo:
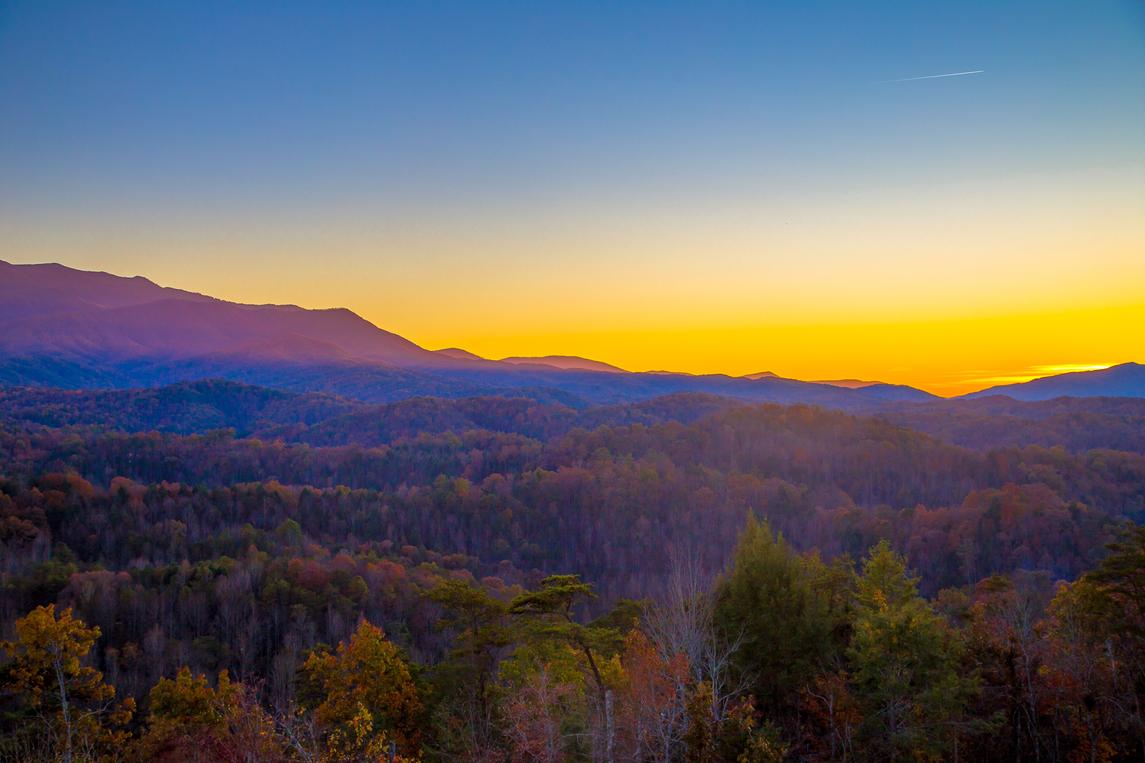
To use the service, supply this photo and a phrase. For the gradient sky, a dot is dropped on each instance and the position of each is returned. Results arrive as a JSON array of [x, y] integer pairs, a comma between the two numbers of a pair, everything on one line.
[[706, 187]]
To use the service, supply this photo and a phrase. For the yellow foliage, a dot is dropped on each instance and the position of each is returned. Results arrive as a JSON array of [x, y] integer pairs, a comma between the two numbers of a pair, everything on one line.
[[70, 699], [363, 696]]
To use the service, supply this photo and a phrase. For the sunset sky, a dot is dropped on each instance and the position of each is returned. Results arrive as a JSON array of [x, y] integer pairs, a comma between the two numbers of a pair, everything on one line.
[[716, 187]]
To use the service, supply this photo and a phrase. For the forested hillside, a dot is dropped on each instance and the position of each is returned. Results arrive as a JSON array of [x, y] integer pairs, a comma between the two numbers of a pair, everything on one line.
[[245, 574]]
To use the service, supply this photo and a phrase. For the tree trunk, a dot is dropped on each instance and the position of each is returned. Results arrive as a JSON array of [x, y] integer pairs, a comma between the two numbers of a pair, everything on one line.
[[608, 726], [64, 709]]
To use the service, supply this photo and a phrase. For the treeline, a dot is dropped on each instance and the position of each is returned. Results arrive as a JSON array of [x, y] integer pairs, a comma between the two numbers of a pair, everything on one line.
[[321, 419], [783, 657]]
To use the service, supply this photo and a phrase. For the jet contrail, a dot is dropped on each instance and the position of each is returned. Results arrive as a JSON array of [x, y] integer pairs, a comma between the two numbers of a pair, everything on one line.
[[931, 76]]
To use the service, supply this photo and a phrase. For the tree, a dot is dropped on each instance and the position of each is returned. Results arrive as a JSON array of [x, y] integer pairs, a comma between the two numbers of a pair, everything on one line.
[[650, 705], [700, 738], [905, 666], [538, 715], [551, 608], [1119, 586], [480, 635], [1004, 645], [833, 716], [773, 601], [46, 673], [191, 721], [362, 696], [682, 624], [1079, 677]]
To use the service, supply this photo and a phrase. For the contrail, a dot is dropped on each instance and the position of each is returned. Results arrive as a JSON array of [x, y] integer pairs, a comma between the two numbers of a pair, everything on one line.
[[931, 76]]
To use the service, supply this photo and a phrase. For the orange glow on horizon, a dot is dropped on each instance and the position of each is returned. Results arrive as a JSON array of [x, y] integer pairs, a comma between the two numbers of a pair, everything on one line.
[[1039, 372], [946, 357], [961, 288]]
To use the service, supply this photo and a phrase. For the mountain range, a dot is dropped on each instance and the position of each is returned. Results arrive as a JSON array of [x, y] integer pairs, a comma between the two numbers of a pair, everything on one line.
[[69, 328]]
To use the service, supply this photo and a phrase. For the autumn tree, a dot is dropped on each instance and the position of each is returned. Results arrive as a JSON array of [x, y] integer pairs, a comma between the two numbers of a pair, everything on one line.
[[700, 737], [550, 613], [189, 720], [361, 696], [832, 717], [650, 705], [1080, 676], [1004, 644], [71, 708], [1119, 587], [543, 713]]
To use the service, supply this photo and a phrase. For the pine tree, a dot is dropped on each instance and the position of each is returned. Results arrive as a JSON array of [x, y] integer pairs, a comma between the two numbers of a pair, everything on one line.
[[904, 661]]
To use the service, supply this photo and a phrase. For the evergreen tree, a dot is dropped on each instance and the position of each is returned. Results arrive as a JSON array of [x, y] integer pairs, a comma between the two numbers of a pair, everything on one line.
[[781, 608], [904, 661], [466, 680]]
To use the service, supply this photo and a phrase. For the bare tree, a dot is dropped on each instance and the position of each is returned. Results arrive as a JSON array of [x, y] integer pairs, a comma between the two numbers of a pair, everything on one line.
[[682, 621]]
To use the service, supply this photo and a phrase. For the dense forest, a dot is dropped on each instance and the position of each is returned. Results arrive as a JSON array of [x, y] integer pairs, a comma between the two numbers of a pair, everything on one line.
[[215, 571]]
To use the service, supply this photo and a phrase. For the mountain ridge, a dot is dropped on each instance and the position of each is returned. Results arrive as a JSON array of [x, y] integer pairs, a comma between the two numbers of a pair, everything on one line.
[[64, 327], [1121, 380]]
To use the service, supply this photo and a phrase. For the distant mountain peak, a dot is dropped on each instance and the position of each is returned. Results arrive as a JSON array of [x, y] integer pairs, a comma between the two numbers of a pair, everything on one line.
[[565, 363], [55, 311], [458, 354]]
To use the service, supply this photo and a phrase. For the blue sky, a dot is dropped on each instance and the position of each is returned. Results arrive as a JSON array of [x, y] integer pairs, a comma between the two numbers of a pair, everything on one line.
[[673, 163], [433, 103]]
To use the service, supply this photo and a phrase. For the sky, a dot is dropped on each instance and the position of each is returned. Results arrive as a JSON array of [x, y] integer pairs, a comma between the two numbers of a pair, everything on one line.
[[702, 187]]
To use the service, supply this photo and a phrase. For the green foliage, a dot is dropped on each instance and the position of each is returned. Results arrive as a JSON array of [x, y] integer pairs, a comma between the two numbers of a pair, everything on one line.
[[465, 681], [787, 609], [905, 664], [764, 745], [548, 613], [1121, 584]]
